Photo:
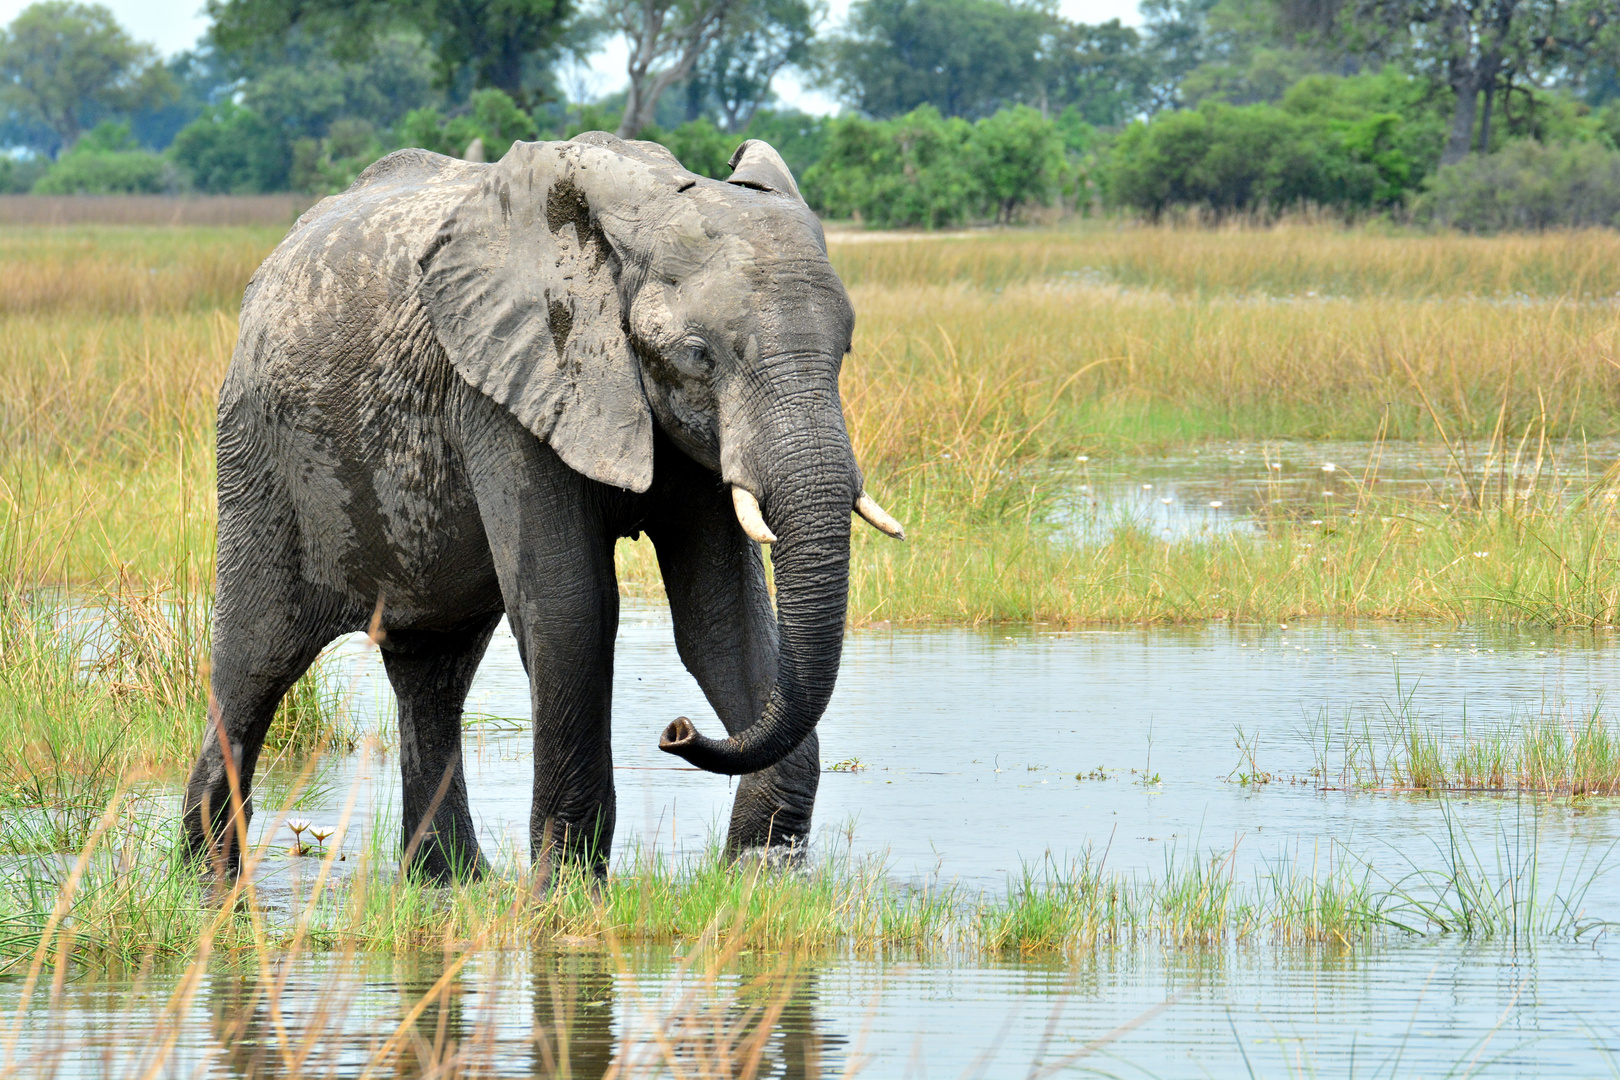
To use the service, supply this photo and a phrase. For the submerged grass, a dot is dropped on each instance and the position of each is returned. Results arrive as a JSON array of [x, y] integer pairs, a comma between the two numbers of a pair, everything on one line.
[[124, 898], [1547, 751]]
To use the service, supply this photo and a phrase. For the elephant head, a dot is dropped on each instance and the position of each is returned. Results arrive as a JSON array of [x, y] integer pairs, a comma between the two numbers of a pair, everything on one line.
[[596, 288]]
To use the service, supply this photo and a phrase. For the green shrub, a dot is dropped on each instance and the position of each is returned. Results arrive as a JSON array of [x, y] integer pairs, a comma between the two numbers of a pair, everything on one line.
[[1358, 143], [1017, 155], [926, 170], [327, 166], [492, 116], [18, 175], [106, 161], [910, 171], [231, 149], [1527, 185], [700, 146]]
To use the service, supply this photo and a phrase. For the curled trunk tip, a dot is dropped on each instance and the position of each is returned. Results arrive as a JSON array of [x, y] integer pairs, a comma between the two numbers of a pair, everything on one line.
[[729, 757]]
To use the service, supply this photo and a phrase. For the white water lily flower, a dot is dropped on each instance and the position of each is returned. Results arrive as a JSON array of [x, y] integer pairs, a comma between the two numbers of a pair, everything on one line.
[[1329, 467], [1215, 504], [297, 825]]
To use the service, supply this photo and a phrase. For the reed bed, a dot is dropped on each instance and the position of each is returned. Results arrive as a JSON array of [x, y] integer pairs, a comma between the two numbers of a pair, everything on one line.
[[1551, 751], [124, 897]]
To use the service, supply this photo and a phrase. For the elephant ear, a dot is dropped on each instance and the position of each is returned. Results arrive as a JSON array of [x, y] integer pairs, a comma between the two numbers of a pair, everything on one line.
[[521, 287], [756, 164]]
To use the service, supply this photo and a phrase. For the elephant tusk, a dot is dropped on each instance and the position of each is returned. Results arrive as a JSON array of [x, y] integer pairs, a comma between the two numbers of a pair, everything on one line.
[[748, 516], [877, 517]]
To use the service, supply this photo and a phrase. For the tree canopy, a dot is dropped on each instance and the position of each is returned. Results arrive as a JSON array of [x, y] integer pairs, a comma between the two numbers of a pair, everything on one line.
[[70, 64]]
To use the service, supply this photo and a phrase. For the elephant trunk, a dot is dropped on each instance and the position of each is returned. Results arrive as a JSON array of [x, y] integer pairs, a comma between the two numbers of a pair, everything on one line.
[[810, 485]]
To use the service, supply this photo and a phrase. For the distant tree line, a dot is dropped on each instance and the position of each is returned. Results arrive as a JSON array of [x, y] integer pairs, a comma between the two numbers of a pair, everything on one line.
[[1477, 113]]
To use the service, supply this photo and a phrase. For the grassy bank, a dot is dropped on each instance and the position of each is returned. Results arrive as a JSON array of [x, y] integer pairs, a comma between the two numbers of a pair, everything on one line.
[[983, 369]]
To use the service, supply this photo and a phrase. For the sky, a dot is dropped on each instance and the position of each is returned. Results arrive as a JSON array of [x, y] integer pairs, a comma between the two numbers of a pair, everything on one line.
[[175, 25]]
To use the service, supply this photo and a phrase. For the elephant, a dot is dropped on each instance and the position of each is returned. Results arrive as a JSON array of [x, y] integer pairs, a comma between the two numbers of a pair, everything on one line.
[[455, 386]]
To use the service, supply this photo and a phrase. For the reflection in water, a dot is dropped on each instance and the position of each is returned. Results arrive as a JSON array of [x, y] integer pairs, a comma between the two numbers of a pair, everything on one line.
[[1434, 1004], [582, 1014], [573, 1014]]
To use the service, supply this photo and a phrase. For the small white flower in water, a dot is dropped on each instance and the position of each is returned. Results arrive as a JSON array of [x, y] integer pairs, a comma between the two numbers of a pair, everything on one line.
[[1083, 458], [1482, 554], [1167, 500], [1215, 504], [1276, 465], [1330, 494], [1316, 521], [297, 825], [1147, 487], [1329, 467]]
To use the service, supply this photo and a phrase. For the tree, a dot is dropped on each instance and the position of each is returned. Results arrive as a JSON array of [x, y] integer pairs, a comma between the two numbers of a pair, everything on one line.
[[964, 57], [733, 78], [666, 37], [230, 149], [303, 87], [1480, 49], [70, 64], [1102, 71], [492, 42]]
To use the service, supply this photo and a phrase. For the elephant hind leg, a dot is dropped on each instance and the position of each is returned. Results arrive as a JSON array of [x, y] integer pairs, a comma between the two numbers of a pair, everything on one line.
[[266, 635], [431, 672]]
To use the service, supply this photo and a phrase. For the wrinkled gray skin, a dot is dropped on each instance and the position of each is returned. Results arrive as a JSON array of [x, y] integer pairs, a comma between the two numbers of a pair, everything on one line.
[[455, 387]]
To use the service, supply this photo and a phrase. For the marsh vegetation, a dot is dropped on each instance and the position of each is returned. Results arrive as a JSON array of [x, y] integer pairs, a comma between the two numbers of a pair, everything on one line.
[[998, 382]]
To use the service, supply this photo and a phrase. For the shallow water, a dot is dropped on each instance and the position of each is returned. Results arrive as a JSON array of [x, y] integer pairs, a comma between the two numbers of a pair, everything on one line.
[[1240, 486], [969, 744], [1417, 1009]]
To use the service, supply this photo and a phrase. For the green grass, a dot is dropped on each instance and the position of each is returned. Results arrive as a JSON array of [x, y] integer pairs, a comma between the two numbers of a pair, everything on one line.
[[1549, 751]]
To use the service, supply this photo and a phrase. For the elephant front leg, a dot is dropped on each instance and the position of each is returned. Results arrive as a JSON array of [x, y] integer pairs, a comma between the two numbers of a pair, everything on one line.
[[567, 639], [726, 633], [553, 554]]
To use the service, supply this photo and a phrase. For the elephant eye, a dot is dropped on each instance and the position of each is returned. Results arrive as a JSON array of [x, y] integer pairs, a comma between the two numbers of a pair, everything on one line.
[[693, 358]]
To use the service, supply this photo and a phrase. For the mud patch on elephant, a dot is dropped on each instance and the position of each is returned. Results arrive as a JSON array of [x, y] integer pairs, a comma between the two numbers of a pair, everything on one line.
[[562, 322], [565, 205]]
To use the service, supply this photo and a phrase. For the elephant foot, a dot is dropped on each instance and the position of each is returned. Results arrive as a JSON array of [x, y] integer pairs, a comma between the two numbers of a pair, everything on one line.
[[435, 863]]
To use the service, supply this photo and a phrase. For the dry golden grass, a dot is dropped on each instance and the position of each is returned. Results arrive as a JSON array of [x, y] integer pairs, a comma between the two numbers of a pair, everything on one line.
[[128, 270], [186, 210], [1283, 260], [963, 400]]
